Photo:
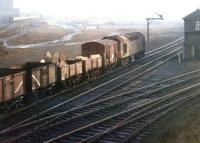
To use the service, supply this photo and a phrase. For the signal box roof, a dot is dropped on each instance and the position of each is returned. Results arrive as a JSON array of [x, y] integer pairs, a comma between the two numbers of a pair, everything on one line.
[[193, 16]]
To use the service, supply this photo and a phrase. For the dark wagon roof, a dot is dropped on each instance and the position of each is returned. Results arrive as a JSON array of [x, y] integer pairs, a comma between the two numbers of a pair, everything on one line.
[[134, 35], [126, 36], [193, 16], [103, 42], [114, 37]]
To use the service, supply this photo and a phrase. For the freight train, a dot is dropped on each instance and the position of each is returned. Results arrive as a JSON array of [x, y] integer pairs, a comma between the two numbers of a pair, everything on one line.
[[96, 57]]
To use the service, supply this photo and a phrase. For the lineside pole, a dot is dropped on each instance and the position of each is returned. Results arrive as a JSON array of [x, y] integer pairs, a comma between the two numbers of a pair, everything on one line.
[[149, 21]]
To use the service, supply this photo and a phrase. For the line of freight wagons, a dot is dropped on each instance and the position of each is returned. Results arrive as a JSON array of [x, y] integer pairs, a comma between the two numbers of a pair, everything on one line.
[[96, 57]]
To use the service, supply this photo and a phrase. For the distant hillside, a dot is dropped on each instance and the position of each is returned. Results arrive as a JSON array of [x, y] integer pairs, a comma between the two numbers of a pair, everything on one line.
[[32, 31]]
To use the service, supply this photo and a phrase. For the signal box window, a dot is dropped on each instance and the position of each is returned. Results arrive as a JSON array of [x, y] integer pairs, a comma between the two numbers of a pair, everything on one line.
[[197, 25]]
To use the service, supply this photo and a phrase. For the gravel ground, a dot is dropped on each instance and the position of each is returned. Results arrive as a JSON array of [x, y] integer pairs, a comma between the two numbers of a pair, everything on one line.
[[186, 127], [168, 70]]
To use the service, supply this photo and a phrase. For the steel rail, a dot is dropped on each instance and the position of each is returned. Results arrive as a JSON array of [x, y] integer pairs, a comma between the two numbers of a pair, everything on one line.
[[119, 105], [124, 114], [115, 98]]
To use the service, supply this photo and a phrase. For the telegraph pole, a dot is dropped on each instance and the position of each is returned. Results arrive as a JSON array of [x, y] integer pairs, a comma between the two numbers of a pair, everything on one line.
[[150, 20]]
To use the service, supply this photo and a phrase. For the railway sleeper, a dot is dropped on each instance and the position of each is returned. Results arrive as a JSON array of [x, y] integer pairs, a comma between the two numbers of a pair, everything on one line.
[[114, 138], [75, 139], [111, 140], [139, 138], [107, 141], [116, 121], [25, 141], [83, 135], [101, 128], [120, 118], [132, 128], [123, 133], [88, 133], [95, 115], [28, 140], [91, 109], [142, 135], [95, 131], [64, 141], [110, 124], [140, 124]]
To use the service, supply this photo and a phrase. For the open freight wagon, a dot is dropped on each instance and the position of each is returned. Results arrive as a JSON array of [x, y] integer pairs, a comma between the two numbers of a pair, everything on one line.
[[22, 80]]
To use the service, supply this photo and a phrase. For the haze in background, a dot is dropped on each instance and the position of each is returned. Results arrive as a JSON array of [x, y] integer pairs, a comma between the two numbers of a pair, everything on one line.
[[120, 10]]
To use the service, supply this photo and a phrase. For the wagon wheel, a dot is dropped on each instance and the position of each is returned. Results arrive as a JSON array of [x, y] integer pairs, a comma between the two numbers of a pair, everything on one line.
[[97, 73], [74, 81], [88, 76], [5, 108], [93, 75], [69, 82]]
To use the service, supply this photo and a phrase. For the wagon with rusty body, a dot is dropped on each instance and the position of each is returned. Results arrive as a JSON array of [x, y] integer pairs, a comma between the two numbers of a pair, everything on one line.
[[107, 49], [130, 46]]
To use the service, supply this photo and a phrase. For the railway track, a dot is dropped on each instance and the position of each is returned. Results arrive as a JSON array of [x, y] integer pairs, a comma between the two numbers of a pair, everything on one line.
[[76, 118], [142, 135], [81, 95], [131, 131], [119, 127]]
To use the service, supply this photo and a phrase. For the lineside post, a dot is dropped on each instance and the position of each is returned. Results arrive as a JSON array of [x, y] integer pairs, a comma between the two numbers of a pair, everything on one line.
[[149, 21]]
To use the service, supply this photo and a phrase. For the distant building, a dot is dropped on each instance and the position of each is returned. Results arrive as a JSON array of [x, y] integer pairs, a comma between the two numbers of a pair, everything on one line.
[[7, 12], [192, 36]]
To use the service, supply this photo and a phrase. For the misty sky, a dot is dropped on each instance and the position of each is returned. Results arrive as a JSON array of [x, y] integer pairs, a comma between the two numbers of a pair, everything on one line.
[[110, 9]]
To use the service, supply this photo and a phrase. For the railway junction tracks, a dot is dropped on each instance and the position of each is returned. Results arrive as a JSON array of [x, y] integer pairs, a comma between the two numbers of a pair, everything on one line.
[[138, 69], [140, 124], [97, 120]]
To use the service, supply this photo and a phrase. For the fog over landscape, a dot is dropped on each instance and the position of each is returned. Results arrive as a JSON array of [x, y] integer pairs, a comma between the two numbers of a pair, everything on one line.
[[109, 10], [100, 71]]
